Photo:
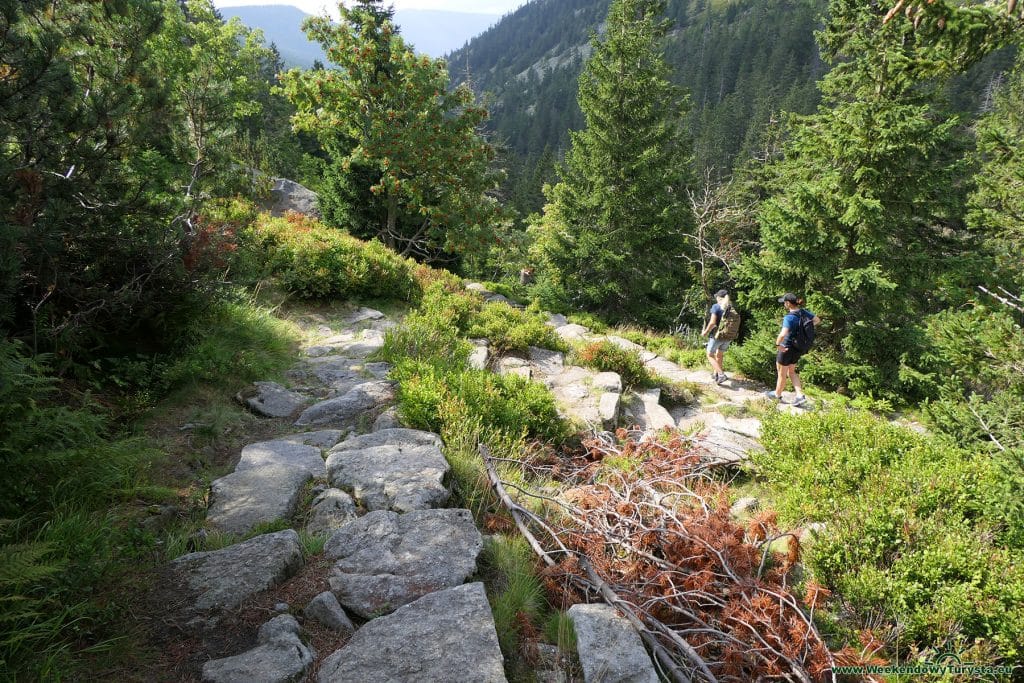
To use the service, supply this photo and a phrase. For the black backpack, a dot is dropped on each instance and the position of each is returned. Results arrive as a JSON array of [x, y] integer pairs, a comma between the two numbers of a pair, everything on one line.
[[803, 336]]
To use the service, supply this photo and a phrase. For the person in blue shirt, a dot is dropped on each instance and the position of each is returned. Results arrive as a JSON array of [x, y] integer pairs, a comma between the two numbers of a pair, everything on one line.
[[716, 347], [787, 354]]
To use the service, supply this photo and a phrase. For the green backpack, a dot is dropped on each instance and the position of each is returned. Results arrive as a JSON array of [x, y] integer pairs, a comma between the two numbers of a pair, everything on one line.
[[728, 325]]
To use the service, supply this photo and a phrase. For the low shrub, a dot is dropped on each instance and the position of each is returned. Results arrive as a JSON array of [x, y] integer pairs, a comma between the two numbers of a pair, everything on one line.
[[606, 356], [914, 526], [317, 262], [513, 329]]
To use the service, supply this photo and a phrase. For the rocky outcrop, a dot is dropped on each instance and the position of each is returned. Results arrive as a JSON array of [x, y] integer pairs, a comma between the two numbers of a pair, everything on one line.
[[279, 657], [223, 579], [609, 647], [385, 560], [288, 195], [444, 636]]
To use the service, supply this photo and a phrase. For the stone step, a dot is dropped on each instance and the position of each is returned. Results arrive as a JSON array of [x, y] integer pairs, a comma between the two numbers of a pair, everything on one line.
[[280, 656], [609, 647], [384, 560], [448, 635]]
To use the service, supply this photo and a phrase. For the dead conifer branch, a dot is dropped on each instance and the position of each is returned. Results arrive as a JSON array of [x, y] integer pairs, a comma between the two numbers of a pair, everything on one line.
[[651, 535]]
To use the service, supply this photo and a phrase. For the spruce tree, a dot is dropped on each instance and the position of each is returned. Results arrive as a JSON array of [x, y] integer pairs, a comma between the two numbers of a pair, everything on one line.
[[610, 234]]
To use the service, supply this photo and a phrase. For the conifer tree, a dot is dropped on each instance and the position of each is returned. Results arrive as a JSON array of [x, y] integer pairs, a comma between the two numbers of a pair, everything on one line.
[[610, 234], [406, 154], [867, 208]]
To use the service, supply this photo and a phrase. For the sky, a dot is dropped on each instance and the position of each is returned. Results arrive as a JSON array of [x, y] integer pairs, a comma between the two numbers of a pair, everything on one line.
[[317, 6]]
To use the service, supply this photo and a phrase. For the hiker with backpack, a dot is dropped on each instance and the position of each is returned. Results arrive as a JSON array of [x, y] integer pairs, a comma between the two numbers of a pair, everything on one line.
[[725, 321], [794, 340]]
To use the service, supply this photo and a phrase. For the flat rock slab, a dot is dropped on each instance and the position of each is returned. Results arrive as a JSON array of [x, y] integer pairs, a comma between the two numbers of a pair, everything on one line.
[[727, 448], [223, 579], [749, 427], [331, 510], [644, 410], [445, 636], [279, 657], [270, 399], [247, 498], [362, 314], [579, 393], [610, 649], [392, 469], [384, 560], [362, 402], [338, 373], [546, 362], [623, 343], [323, 439], [283, 452], [572, 332]]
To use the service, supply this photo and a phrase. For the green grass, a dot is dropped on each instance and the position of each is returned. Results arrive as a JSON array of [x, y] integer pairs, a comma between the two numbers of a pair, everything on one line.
[[515, 590]]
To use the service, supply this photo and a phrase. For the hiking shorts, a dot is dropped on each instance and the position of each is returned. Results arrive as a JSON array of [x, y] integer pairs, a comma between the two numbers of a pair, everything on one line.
[[716, 345], [788, 356]]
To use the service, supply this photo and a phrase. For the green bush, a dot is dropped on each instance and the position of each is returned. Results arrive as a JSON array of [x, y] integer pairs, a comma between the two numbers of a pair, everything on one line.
[[914, 526], [606, 356], [316, 262], [513, 329]]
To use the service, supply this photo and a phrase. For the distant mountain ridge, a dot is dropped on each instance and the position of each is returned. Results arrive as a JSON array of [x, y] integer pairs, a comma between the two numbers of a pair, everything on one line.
[[433, 32]]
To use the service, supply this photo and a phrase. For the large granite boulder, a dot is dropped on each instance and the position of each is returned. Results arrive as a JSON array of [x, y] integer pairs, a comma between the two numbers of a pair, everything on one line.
[[385, 560], [288, 195], [331, 510], [361, 403], [392, 469], [609, 647], [223, 579], [242, 500], [444, 636], [287, 452], [280, 656]]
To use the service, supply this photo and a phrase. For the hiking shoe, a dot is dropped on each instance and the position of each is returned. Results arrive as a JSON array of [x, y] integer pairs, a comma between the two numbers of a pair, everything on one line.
[[721, 379], [772, 395], [799, 400]]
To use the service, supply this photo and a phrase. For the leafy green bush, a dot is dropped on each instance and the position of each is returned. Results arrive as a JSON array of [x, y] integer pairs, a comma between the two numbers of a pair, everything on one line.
[[913, 526], [317, 262], [606, 356], [513, 329]]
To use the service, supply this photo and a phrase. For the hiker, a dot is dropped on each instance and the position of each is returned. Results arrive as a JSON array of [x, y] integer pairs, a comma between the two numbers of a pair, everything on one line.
[[726, 323], [794, 341]]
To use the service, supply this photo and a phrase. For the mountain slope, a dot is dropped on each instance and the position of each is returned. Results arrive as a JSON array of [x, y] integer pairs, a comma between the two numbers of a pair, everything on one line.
[[281, 25]]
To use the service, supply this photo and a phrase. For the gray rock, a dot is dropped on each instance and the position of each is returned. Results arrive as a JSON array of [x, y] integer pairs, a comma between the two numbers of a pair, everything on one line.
[[324, 439], [510, 365], [385, 560], [362, 314], [281, 607], [338, 372], [326, 610], [557, 320], [393, 469], [279, 657], [811, 531], [643, 409], [478, 288], [359, 403], [270, 399], [546, 362], [223, 579], [285, 452], [478, 356], [743, 507], [247, 498], [288, 195], [497, 299], [608, 409], [572, 332], [623, 343], [607, 381], [330, 510], [389, 437], [609, 648], [387, 420], [724, 447], [445, 636]]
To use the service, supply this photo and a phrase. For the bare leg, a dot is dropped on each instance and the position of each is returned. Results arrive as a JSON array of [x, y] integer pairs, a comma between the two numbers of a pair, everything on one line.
[[797, 384], [721, 358], [780, 383], [716, 362]]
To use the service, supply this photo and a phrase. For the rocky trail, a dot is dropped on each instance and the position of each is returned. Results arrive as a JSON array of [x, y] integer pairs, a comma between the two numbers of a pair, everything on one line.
[[387, 598]]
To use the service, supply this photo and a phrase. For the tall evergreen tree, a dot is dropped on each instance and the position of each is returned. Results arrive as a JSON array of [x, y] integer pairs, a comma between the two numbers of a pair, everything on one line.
[[408, 163], [610, 234], [866, 216]]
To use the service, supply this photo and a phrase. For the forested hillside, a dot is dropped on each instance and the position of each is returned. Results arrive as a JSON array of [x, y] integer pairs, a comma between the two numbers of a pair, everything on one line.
[[743, 62], [496, 299]]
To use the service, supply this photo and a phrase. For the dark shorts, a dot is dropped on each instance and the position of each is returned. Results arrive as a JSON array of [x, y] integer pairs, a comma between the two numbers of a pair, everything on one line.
[[788, 357]]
